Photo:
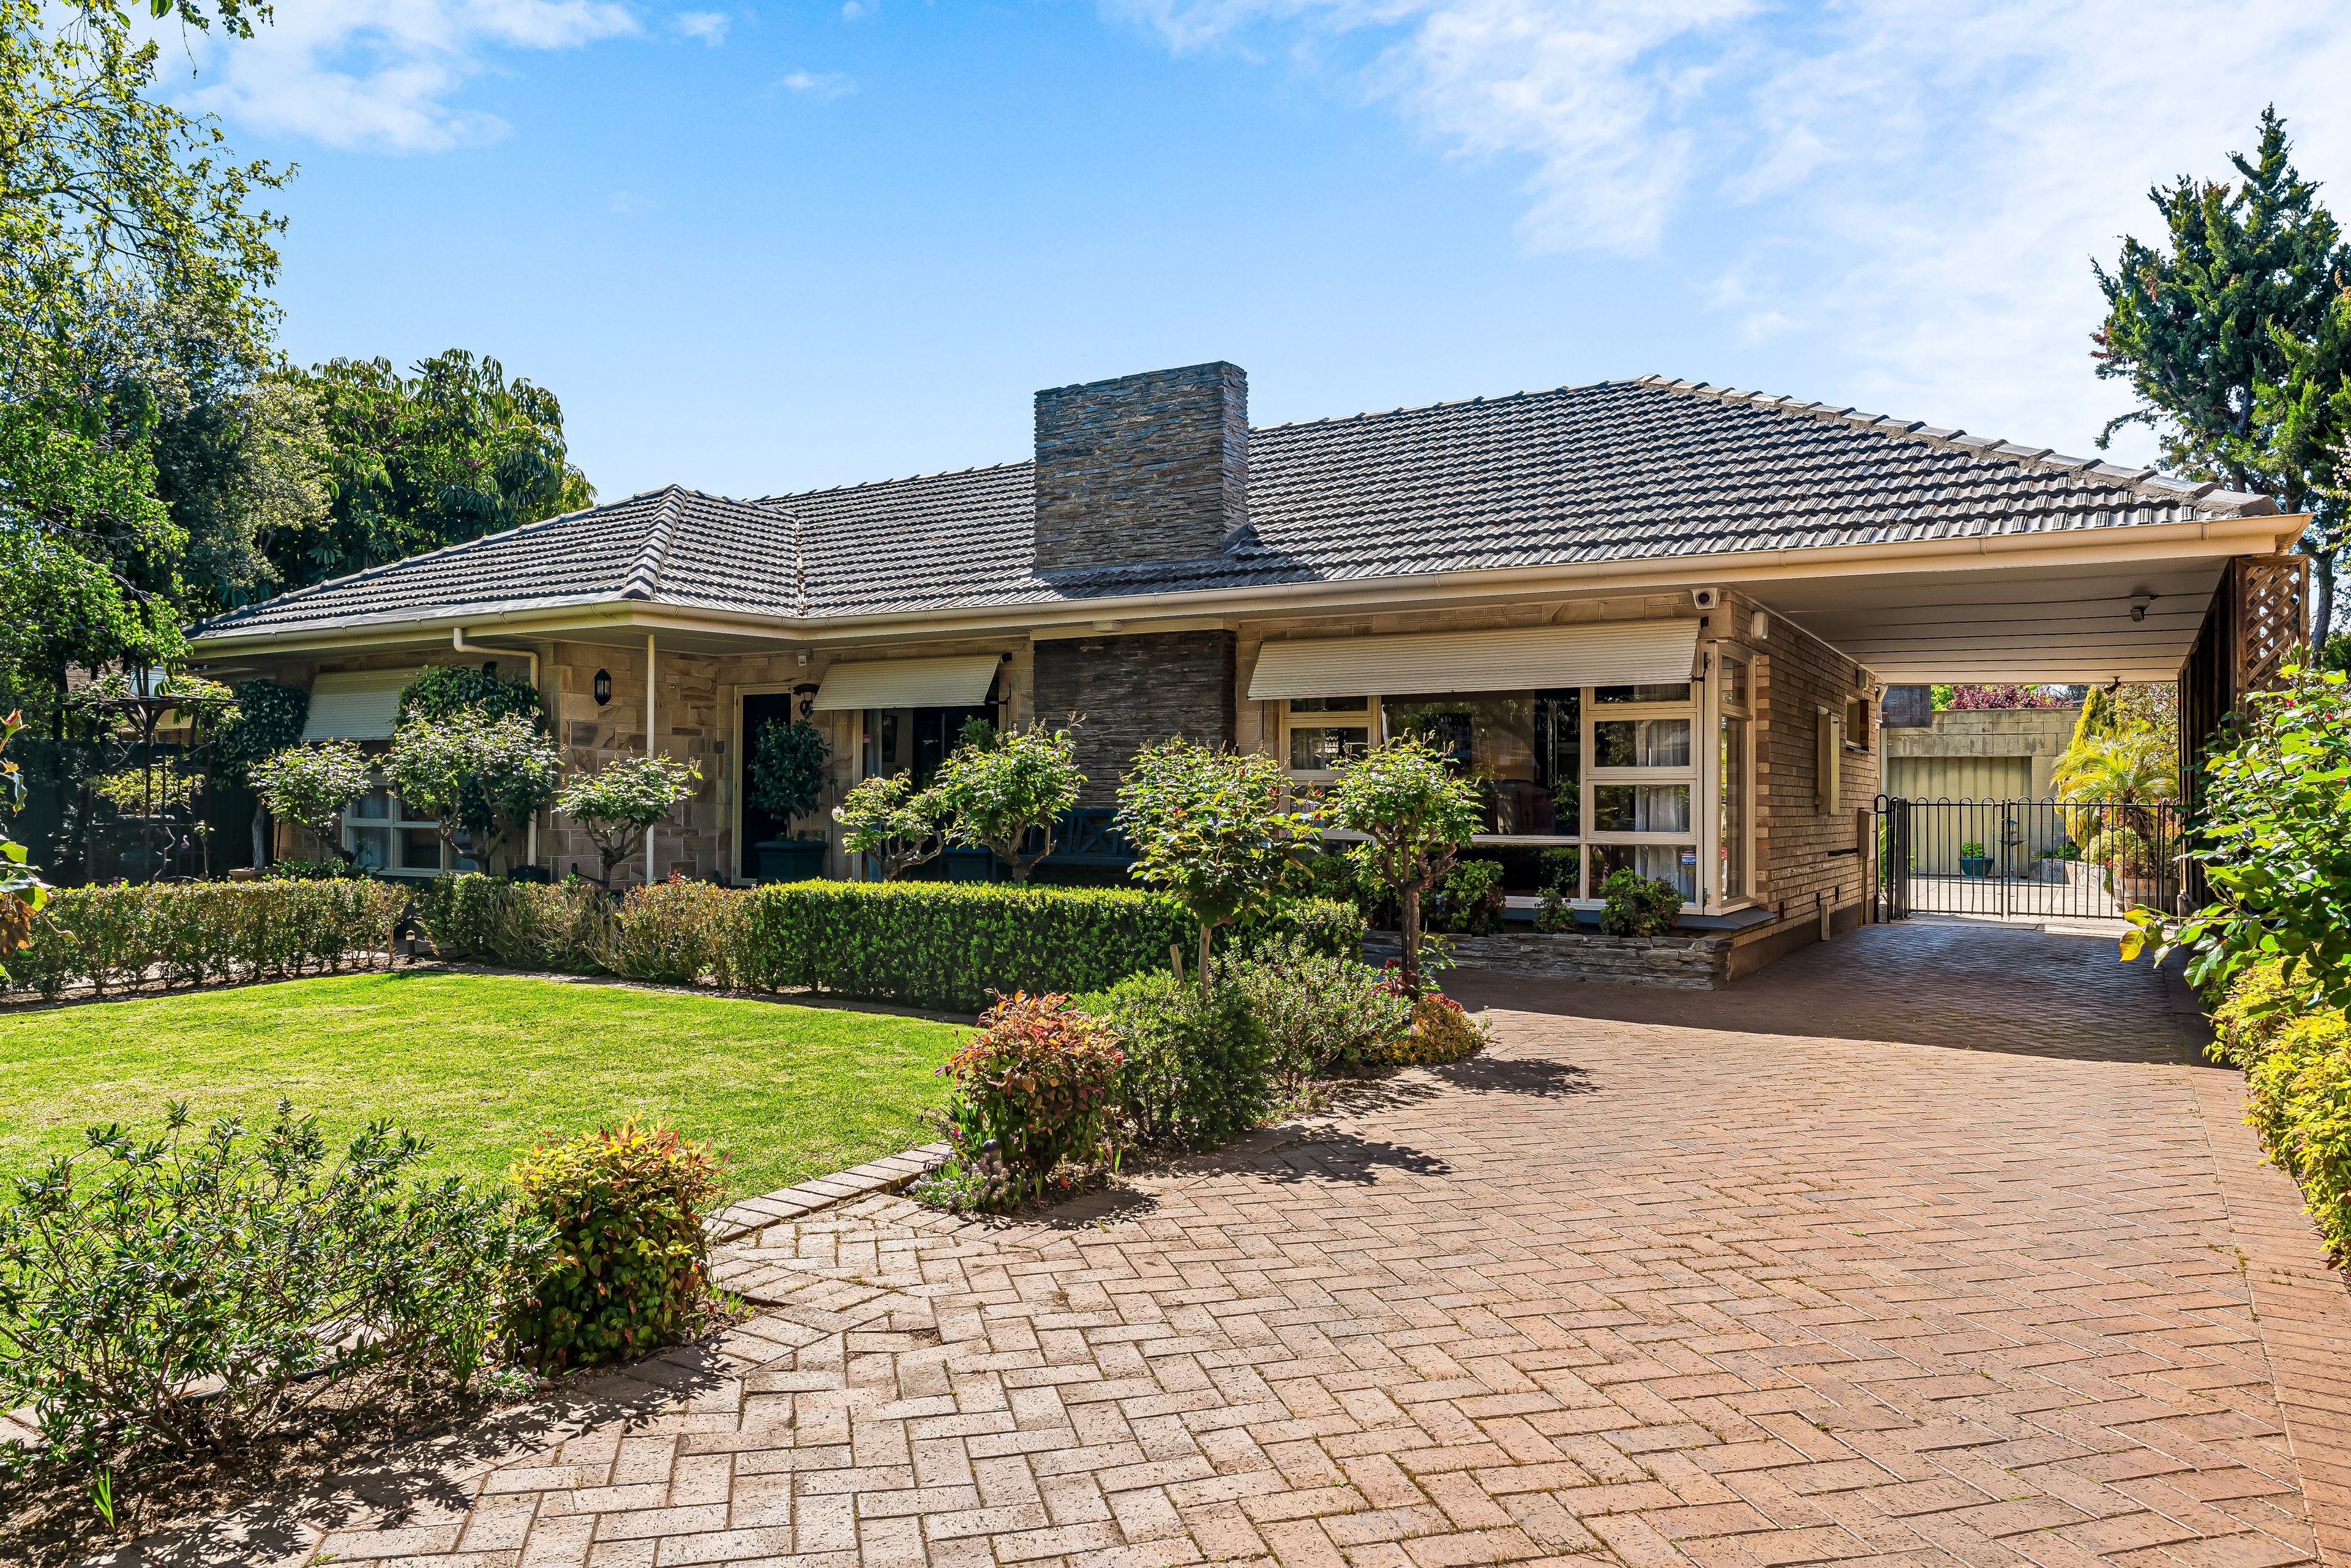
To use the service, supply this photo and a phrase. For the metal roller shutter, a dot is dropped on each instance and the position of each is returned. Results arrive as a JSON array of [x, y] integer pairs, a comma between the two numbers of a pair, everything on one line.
[[960, 681], [1516, 658], [355, 705]]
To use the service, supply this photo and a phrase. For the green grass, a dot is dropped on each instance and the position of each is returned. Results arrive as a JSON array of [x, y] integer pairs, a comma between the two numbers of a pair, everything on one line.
[[484, 1065]]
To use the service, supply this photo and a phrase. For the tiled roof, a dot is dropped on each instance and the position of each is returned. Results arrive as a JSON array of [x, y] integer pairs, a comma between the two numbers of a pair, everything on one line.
[[1616, 471]]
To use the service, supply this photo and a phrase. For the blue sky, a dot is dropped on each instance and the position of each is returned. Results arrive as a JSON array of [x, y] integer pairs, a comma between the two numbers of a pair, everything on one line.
[[779, 245]]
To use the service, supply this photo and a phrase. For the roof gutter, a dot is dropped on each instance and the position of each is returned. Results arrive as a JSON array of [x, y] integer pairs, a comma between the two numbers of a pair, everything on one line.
[[2262, 534]]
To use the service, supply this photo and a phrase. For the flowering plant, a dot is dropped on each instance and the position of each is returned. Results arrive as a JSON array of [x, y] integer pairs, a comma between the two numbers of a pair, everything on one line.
[[1038, 1080]]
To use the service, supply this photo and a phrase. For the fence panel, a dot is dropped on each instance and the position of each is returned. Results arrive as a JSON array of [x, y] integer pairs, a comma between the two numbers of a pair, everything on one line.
[[2079, 860]]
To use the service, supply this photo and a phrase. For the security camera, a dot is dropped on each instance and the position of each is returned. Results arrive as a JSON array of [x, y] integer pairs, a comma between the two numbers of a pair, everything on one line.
[[1706, 598]]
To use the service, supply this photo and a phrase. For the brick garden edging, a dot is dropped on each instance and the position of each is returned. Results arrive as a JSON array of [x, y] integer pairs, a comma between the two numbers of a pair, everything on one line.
[[1698, 962], [752, 1215]]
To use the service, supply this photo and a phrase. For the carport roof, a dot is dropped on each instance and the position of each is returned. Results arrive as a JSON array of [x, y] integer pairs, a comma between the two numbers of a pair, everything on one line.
[[1612, 473]]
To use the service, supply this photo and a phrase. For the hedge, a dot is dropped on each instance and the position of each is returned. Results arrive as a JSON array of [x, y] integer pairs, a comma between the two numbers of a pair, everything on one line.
[[189, 933], [951, 944], [2297, 1067]]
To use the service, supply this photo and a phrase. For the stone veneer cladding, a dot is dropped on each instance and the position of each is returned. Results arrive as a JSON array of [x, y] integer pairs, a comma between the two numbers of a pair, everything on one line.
[[1135, 692], [1143, 468]]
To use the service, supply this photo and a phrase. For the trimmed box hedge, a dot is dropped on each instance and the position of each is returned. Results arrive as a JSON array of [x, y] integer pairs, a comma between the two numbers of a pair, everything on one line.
[[195, 932], [952, 944]]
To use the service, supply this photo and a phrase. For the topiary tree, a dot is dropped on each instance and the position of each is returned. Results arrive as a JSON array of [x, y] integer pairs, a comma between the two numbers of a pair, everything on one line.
[[787, 770], [995, 796], [1415, 816], [315, 785], [1214, 828], [617, 806], [479, 780], [887, 817], [270, 719]]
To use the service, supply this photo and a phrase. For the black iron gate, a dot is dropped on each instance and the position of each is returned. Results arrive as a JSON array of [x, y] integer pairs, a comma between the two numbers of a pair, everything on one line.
[[2072, 860]]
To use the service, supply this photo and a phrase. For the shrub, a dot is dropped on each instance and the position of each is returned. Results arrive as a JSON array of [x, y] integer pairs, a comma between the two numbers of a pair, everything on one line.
[[523, 925], [2299, 1097], [444, 691], [2256, 1009], [1322, 1013], [1197, 1057], [628, 1269], [1333, 929], [189, 933], [1442, 1030], [1470, 899], [1555, 915], [1037, 1085], [1638, 906], [134, 1269], [949, 945], [675, 932]]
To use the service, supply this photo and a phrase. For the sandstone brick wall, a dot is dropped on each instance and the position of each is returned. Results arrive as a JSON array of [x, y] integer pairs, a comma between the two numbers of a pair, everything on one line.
[[1134, 691]]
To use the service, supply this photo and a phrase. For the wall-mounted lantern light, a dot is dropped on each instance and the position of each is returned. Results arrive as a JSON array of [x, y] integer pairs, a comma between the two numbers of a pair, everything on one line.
[[603, 687]]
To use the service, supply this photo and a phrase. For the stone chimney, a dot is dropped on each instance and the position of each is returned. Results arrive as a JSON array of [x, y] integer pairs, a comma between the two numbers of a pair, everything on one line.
[[1143, 468]]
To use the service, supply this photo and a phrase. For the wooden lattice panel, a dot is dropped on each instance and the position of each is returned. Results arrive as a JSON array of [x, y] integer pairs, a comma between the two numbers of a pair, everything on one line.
[[2273, 617]]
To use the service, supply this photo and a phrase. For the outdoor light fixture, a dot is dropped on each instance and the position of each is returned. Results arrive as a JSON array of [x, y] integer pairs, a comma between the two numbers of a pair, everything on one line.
[[2139, 601], [603, 687]]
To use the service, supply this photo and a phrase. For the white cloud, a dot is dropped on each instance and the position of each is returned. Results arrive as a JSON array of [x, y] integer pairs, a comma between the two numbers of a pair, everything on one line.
[[382, 73], [710, 27], [852, 10], [629, 203], [818, 85], [1904, 192]]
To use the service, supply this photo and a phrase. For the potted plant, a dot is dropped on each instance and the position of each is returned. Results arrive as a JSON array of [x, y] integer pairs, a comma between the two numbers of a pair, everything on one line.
[[1973, 862], [787, 778]]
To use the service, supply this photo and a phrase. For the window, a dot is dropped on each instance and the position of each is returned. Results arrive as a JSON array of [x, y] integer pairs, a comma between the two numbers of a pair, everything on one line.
[[384, 840], [1524, 749], [1734, 769], [1319, 733], [1856, 724]]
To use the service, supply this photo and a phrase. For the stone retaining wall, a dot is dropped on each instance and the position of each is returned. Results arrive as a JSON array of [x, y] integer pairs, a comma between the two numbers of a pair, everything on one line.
[[1683, 963]]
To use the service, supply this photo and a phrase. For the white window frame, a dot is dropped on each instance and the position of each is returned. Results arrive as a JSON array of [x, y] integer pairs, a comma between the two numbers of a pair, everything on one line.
[[1589, 712], [393, 827]]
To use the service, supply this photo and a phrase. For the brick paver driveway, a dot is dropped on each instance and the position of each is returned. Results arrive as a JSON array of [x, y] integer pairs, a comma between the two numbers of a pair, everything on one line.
[[1931, 1244]]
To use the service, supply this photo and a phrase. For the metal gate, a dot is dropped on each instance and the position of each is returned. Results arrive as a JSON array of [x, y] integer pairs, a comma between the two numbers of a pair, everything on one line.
[[2070, 860]]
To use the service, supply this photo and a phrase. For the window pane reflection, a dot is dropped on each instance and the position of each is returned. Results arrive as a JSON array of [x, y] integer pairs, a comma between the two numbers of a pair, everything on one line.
[[1676, 864], [1641, 742], [1641, 807], [1521, 748], [1320, 750]]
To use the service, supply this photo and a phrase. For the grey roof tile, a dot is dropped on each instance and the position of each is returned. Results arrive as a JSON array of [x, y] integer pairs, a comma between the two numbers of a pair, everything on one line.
[[1616, 471]]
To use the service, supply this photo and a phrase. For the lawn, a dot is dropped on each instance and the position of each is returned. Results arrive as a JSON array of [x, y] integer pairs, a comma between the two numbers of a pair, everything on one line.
[[484, 1065]]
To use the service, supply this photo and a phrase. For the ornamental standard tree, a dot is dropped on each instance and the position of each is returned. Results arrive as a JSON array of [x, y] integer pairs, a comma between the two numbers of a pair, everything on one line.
[[315, 785], [1415, 816], [786, 770], [617, 806], [1214, 828], [887, 817], [479, 781], [270, 719], [995, 796]]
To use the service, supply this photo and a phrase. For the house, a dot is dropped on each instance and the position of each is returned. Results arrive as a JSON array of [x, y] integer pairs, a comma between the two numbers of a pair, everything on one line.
[[1652, 616]]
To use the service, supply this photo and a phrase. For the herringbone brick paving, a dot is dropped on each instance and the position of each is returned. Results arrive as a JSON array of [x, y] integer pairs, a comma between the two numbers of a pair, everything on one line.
[[1914, 1248]]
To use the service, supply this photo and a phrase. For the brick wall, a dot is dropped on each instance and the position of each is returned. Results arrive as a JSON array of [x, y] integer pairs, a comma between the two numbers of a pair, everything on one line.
[[1135, 692], [1148, 467], [1794, 676]]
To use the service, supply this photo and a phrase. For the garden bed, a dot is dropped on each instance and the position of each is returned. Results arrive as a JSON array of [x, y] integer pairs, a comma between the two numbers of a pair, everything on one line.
[[1688, 961]]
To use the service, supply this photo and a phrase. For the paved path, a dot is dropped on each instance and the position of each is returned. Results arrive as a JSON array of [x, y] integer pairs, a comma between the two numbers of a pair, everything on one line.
[[1930, 1245]]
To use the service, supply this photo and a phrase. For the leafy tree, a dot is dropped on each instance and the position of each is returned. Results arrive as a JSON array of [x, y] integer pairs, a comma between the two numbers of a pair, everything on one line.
[[995, 796], [1214, 828], [115, 209], [1415, 816], [2236, 340], [315, 785], [2276, 849], [478, 778], [270, 719], [449, 453], [887, 817], [788, 768], [444, 691], [615, 807]]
